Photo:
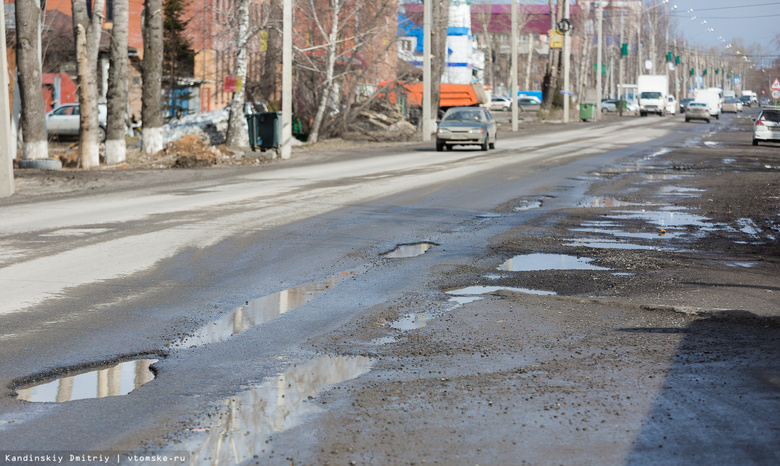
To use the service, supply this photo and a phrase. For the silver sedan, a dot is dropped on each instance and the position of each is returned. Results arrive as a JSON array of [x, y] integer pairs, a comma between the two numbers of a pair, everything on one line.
[[466, 126]]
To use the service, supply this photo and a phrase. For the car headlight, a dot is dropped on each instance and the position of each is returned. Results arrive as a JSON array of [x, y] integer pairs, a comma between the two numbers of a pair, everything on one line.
[[443, 130], [476, 131]]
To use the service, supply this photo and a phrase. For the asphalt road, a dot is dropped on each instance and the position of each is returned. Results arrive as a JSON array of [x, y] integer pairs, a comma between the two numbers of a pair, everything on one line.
[[259, 292]]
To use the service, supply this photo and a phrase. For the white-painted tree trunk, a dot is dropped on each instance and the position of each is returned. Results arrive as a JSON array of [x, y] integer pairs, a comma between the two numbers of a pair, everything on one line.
[[152, 140], [237, 135]]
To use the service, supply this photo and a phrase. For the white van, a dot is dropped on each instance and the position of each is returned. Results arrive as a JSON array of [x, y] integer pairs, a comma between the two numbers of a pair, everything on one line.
[[671, 104], [713, 97]]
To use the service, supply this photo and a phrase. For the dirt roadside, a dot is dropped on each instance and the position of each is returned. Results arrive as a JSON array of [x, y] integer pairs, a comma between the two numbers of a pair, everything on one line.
[[666, 352]]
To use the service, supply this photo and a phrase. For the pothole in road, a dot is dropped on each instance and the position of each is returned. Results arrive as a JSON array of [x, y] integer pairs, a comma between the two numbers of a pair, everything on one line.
[[604, 243], [408, 250], [532, 262], [248, 419], [416, 320], [259, 311], [606, 202], [101, 382], [485, 289]]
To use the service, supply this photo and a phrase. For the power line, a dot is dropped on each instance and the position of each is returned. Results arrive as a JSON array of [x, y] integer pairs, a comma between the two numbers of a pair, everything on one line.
[[729, 17], [731, 7]]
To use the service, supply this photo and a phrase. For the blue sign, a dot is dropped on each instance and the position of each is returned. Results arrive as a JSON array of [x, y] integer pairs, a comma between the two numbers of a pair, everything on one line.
[[737, 81], [567, 93]]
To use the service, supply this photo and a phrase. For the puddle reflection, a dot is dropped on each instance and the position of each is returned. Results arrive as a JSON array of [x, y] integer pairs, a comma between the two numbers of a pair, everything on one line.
[[529, 262], [281, 403], [412, 321], [481, 289], [409, 250], [607, 202], [115, 380], [259, 311], [598, 243]]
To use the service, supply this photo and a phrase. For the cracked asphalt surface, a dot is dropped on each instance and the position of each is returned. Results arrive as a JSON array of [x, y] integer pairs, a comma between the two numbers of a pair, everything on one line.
[[661, 347]]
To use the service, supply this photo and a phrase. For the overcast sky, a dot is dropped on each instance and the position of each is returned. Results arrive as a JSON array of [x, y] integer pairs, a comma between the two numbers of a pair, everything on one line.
[[754, 21]]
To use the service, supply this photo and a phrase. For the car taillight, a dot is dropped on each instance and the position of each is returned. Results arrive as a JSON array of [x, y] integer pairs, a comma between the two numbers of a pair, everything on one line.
[[759, 123]]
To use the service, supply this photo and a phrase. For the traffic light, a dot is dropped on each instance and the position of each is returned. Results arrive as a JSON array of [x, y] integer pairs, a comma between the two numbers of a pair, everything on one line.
[[693, 71], [677, 60], [669, 56], [624, 50], [705, 71], [717, 70]]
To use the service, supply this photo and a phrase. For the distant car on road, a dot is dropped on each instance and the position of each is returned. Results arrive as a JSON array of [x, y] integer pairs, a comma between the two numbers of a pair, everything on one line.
[[684, 104], [502, 104], [671, 104], [767, 125], [731, 105], [764, 101], [64, 121], [746, 101], [697, 111], [466, 126]]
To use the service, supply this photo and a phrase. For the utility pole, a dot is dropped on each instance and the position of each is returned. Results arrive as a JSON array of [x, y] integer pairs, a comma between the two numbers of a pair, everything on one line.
[[287, 79], [514, 38], [599, 58], [566, 61], [7, 144], [426, 103]]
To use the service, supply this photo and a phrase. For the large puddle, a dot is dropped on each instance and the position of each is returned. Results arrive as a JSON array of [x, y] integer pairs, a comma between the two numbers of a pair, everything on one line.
[[531, 262], [113, 380], [259, 311], [251, 417], [485, 289], [408, 250]]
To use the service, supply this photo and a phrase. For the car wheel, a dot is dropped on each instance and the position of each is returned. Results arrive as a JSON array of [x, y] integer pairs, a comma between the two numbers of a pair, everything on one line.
[[687, 120], [642, 114], [492, 145], [507, 108], [485, 146], [439, 146], [603, 110], [101, 134], [708, 121], [755, 142], [717, 117]]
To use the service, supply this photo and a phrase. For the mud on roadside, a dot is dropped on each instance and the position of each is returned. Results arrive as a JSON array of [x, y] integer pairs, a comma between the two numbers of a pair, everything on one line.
[[675, 326]]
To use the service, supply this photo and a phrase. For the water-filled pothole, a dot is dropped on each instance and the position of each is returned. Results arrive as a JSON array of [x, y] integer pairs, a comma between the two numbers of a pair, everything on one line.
[[110, 380], [485, 289], [248, 419], [603, 243], [259, 311], [530, 262], [409, 250]]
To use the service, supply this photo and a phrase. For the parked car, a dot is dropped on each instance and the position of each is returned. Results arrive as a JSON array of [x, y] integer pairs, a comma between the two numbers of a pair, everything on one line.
[[767, 126], [697, 111], [465, 126], [684, 104], [731, 105], [498, 103], [64, 121], [609, 105], [746, 101], [764, 101], [528, 104]]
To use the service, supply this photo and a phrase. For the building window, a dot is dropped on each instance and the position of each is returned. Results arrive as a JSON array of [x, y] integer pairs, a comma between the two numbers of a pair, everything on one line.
[[109, 13]]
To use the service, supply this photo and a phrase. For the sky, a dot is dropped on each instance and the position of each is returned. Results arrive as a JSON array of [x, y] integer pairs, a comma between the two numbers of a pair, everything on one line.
[[754, 21]]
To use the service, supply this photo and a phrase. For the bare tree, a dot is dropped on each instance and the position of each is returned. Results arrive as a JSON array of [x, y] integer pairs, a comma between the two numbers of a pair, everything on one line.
[[332, 64], [28, 24], [440, 16], [550, 84], [237, 126], [117, 86], [151, 98], [87, 29]]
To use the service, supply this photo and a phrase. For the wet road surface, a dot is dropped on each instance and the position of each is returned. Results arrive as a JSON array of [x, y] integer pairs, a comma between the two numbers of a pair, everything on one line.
[[256, 298]]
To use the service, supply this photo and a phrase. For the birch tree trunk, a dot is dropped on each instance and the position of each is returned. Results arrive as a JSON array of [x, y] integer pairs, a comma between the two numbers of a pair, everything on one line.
[[33, 120], [87, 32], [151, 98], [117, 86], [528, 61], [237, 135], [551, 75], [330, 56]]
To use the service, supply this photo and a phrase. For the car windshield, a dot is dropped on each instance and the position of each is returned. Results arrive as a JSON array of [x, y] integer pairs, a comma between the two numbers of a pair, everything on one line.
[[697, 105], [771, 116], [651, 95], [464, 115]]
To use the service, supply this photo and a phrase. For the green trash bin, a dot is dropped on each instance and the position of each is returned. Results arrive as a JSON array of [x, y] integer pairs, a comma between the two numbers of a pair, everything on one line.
[[265, 129], [587, 112]]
